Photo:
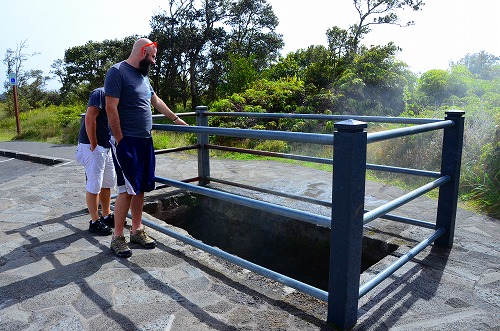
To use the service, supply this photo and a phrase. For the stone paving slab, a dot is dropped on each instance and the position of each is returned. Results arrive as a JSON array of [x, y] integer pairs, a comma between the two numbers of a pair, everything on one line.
[[55, 276]]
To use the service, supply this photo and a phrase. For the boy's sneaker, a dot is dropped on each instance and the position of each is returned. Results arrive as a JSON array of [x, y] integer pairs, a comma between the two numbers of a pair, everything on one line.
[[141, 237], [98, 227], [110, 220], [120, 247]]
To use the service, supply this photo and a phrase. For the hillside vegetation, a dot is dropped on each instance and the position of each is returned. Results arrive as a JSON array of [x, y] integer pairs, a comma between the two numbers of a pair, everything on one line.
[[480, 178]]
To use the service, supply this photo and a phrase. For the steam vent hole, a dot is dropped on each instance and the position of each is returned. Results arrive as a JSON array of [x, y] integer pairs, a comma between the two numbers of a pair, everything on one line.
[[294, 248]]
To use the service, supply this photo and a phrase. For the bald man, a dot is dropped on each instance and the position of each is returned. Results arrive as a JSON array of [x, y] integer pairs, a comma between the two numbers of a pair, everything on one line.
[[129, 96]]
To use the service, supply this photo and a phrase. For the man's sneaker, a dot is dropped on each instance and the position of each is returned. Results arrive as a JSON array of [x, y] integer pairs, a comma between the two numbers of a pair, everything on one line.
[[98, 227], [141, 237], [120, 247], [110, 220]]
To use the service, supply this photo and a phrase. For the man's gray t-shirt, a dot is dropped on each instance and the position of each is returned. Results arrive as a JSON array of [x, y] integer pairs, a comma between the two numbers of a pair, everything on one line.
[[125, 82]]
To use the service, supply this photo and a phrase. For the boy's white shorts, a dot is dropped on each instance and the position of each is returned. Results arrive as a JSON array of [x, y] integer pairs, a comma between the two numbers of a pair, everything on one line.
[[99, 167]]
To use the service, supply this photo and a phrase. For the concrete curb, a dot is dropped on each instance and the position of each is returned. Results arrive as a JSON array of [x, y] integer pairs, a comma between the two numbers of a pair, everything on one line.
[[33, 157]]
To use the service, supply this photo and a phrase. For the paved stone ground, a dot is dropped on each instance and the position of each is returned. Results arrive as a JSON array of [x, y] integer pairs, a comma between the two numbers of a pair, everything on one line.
[[55, 276]]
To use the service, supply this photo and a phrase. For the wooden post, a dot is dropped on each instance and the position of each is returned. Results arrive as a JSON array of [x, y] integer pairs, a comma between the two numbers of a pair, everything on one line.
[[16, 108]]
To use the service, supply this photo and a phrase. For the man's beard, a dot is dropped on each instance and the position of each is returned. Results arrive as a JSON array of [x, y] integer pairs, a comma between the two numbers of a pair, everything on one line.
[[144, 67]]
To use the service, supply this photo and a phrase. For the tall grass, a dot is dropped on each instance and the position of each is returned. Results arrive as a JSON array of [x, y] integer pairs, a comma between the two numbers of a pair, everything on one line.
[[480, 171], [480, 180], [55, 124]]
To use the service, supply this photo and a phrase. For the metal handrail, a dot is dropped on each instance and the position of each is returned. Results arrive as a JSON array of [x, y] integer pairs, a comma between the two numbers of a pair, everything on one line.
[[377, 212], [312, 138], [248, 202], [351, 125], [373, 119], [401, 132], [283, 279], [384, 274]]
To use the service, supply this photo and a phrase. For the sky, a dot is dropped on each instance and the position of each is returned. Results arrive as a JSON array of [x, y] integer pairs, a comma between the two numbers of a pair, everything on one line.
[[444, 30]]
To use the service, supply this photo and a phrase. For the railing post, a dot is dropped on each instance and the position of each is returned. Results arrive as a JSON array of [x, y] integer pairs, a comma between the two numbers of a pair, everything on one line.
[[346, 238], [203, 152], [451, 159]]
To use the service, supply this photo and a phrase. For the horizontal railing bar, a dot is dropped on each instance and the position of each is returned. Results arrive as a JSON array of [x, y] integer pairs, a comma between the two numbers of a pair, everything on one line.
[[187, 180], [161, 116], [272, 154], [407, 171], [248, 202], [285, 280], [401, 132], [374, 119], [389, 217], [407, 220], [380, 277], [313, 138], [382, 210], [176, 149], [281, 194], [304, 158]]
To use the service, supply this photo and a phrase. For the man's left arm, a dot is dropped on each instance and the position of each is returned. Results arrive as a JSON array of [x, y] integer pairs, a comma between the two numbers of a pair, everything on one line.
[[162, 107]]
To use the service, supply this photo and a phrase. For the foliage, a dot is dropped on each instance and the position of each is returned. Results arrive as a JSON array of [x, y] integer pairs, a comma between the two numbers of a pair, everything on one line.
[[15, 60], [457, 86], [84, 67], [30, 83], [373, 84], [271, 96], [480, 180], [346, 43], [197, 40], [240, 75], [482, 65], [273, 146], [252, 32], [55, 124]]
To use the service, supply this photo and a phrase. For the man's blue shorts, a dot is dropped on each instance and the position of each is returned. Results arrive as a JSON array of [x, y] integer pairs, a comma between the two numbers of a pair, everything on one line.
[[135, 163]]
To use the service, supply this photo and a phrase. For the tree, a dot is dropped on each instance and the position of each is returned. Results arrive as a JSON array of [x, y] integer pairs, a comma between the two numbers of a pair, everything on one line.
[[252, 32], [188, 32], [285, 67], [240, 75], [385, 12], [481, 64], [433, 84], [199, 39], [338, 42], [347, 42], [15, 59], [32, 92], [313, 65], [30, 83], [58, 70], [170, 75], [369, 79], [84, 67]]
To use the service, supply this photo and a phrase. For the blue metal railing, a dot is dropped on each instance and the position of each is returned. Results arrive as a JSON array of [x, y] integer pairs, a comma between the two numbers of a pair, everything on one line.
[[349, 141], [382, 210], [381, 276]]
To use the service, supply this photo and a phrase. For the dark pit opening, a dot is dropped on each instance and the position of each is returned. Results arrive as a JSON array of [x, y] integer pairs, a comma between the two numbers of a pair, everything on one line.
[[294, 248]]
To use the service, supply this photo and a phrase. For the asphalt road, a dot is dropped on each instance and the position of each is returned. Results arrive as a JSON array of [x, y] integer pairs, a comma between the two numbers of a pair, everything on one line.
[[11, 168]]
